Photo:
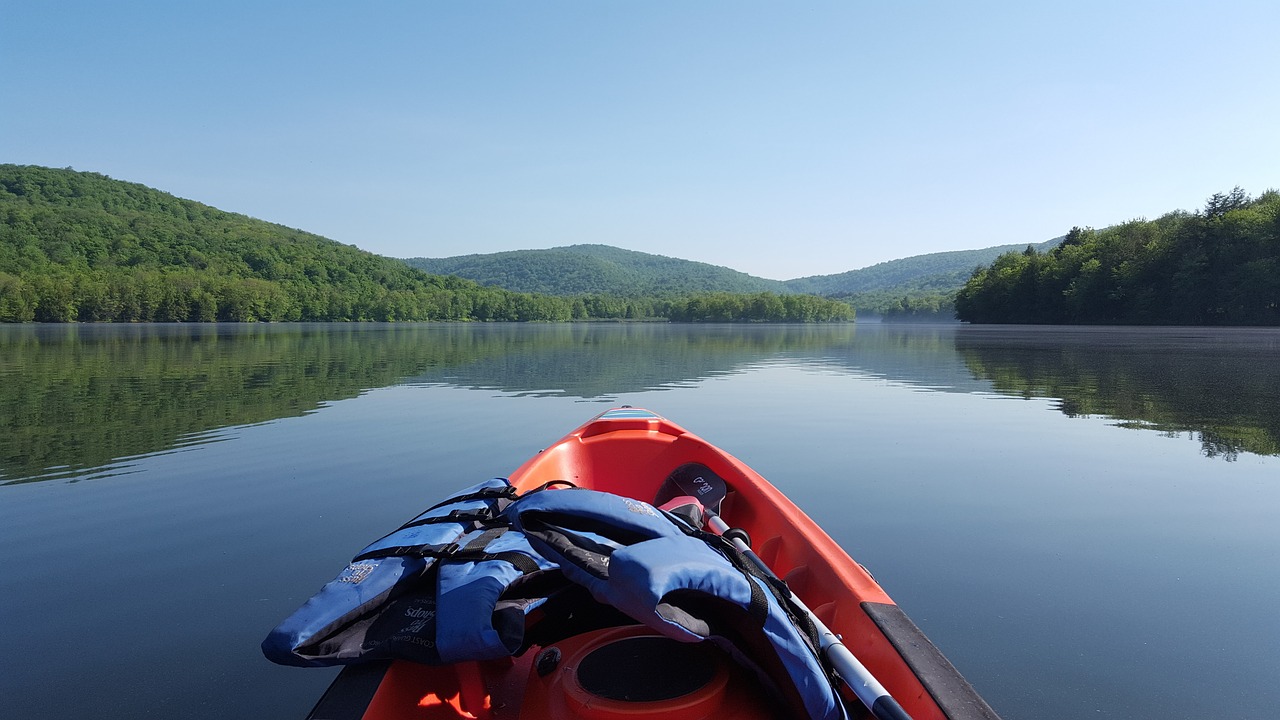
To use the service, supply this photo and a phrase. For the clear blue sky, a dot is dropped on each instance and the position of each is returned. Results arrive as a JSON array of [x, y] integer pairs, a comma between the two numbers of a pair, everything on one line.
[[780, 139]]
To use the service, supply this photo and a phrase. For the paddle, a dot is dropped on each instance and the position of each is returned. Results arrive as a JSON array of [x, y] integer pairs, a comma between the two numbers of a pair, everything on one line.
[[700, 483]]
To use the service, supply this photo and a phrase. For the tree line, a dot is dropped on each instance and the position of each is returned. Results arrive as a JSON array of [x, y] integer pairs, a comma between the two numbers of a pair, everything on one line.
[[1218, 266], [596, 269], [185, 296], [81, 247]]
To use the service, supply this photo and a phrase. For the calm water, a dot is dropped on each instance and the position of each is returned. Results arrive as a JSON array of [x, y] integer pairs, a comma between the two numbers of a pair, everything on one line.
[[1084, 520]]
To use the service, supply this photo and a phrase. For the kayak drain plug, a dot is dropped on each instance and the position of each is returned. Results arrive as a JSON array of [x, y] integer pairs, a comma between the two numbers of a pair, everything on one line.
[[547, 661]]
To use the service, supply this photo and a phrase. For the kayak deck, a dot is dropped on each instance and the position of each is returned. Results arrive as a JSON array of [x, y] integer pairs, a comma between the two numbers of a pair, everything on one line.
[[630, 452]]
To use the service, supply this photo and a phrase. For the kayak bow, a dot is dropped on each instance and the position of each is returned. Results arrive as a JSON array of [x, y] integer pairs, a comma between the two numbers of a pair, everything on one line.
[[618, 669]]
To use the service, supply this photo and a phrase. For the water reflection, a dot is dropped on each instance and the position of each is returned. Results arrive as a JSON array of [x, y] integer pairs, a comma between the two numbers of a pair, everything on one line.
[[77, 401], [1220, 386], [80, 401]]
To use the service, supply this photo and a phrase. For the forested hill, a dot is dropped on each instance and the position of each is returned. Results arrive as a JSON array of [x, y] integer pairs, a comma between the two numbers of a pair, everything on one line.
[[935, 272], [78, 246], [578, 269], [585, 269], [1219, 266], [82, 247]]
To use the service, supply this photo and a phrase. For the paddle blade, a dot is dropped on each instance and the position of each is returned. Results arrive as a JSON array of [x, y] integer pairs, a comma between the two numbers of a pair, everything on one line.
[[695, 480], [686, 508]]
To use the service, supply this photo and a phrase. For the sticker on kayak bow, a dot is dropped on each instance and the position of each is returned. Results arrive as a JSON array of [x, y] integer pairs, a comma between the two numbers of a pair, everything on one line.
[[356, 572], [628, 413]]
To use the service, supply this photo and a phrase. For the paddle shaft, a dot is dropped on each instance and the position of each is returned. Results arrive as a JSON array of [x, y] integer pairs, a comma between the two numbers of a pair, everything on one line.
[[847, 666]]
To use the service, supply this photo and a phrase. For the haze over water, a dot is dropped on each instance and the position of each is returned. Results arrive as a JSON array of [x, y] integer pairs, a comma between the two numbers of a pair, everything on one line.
[[1081, 519]]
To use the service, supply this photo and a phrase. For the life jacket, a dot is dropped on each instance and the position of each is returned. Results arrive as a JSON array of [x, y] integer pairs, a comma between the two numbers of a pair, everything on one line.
[[459, 581], [683, 583], [397, 600]]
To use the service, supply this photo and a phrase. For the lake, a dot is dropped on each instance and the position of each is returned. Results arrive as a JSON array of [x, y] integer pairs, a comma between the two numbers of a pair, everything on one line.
[[1082, 519]]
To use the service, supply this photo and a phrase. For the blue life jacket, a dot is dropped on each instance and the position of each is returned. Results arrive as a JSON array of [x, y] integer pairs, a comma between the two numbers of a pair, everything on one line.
[[685, 584], [458, 581], [396, 600]]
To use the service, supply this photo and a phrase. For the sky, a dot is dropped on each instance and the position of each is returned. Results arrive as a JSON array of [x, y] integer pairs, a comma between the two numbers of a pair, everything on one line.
[[780, 139]]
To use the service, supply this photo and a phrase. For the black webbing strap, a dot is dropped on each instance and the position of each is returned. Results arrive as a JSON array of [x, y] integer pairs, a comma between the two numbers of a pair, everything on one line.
[[481, 541], [482, 494], [414, 551], [458, 516], [782, 593], [482, 515], [759, 608], [519, 560], [758, 611], [472, 552]]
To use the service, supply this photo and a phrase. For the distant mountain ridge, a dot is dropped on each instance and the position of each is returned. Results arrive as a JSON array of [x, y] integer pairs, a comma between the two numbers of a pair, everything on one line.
[[938, 272], [595, 269], [83, 247], [604, 269]]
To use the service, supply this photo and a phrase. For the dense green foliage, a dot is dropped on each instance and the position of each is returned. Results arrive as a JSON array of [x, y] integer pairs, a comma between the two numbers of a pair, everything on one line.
[[919, 288], [917, 276], [1220, 266], [82, 247], [596, 269], [711, 307], [915, 288], [912, 307], [762, 307]]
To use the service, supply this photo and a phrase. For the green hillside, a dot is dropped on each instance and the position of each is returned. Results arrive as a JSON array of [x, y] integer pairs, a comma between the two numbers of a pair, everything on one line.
[[82, 247], [588, 269], [919, 287], [1219, 266], [79, 246], [941, 272]]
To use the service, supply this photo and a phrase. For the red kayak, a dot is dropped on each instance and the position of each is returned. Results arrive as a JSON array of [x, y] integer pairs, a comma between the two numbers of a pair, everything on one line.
[[627, 670]]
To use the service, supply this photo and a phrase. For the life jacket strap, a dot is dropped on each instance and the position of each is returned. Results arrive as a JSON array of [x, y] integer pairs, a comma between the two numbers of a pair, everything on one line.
[[778, 587], [507, 492], [459, 516], [472, 552], [522, 562], [409, 551]]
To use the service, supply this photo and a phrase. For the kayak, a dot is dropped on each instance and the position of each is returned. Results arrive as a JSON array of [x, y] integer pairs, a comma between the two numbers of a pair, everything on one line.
[[876, 660]]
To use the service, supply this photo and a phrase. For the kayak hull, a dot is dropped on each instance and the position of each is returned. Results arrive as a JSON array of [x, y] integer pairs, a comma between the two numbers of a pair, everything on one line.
[[630, 452]]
